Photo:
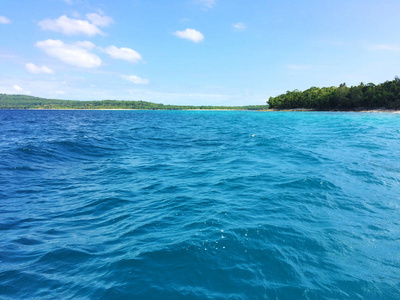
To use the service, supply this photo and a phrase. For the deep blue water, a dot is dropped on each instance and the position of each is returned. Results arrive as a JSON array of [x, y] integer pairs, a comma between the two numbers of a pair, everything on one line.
[[199, 205]]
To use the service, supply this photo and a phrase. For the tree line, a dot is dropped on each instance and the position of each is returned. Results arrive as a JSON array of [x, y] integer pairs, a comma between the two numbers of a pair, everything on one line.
[[29, 102], [369, 96]]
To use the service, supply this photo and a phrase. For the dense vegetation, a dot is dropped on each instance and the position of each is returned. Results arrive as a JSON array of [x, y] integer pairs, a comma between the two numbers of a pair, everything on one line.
[[366, 96], [29, 102]]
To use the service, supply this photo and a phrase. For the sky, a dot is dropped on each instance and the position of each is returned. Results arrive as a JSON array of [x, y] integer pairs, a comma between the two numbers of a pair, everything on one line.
[[194, 52]]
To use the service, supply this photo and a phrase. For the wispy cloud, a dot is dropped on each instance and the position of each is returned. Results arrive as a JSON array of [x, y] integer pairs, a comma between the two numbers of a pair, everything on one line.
[[207, 4], [295, 67], [70, 26], [44, 87], [136, 79], [385, 47], [239, 26], [85, 44], [4, 20], [17, 88], [32, 68], [183, 98], [72, 54], [20, 90], [99, 19], [190, 34], [123, 53]]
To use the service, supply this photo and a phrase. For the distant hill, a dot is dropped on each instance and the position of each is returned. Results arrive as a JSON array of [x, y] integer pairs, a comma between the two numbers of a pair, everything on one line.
[[29, 102]]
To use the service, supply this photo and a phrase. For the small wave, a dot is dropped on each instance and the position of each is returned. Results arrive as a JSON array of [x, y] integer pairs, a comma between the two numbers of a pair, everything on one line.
[[140, 204]]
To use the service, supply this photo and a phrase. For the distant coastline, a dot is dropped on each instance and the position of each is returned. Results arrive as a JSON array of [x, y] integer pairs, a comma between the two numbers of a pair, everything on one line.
[[30, 102], [360, 110], [382, 110], [368, 98]]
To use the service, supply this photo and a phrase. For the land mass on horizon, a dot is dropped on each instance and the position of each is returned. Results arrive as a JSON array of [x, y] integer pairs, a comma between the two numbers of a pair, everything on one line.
[[30, 102], [362, 97]]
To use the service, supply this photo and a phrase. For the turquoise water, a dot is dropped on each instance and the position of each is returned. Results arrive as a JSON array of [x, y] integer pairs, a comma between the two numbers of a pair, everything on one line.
[[199, 205]]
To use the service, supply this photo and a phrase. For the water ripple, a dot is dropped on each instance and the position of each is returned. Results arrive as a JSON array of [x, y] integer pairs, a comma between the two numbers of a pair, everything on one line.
[[174, 204]]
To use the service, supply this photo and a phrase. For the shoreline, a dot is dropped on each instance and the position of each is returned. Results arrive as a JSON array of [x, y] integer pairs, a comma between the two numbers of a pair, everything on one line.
[[375, 110], [363, 110]]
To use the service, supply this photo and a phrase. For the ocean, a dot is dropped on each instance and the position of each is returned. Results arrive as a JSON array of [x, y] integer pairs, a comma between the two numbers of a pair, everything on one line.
[[199, 205]]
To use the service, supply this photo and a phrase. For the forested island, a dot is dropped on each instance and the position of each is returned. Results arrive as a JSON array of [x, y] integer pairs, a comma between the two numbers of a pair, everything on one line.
[[29, 102], [363, 96]]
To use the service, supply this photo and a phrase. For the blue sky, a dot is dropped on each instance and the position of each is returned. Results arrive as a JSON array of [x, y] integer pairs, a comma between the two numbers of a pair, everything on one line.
[[198, 52]]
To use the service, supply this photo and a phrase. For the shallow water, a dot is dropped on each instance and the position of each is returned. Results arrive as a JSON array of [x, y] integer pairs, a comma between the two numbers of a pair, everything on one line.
[[199, 204]]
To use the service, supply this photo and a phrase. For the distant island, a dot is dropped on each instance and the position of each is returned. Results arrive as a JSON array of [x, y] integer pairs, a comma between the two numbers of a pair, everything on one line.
[[363, 96], [29, 102]]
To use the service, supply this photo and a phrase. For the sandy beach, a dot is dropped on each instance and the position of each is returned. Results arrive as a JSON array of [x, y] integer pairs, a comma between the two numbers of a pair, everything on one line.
[[376, 110]]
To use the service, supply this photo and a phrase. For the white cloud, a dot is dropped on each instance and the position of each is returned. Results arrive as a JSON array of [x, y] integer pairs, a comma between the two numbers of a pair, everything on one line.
[[207, 3], [72, 54], [45, 87], [17, 88], [70, 26], [85, 44], [32, 68], [385, 47], [190, 34], [99, 20], [68, 1], [20, 90], [123, 53], [4, 20], [75, 14], [60, 92], [136, 79], [239, 26], [188, 97]]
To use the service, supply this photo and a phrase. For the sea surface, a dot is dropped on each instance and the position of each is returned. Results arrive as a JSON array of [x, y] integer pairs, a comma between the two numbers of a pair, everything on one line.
[[199, 205]]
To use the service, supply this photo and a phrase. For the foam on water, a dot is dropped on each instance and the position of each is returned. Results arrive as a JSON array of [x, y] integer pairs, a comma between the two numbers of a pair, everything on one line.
[[195, 204]]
